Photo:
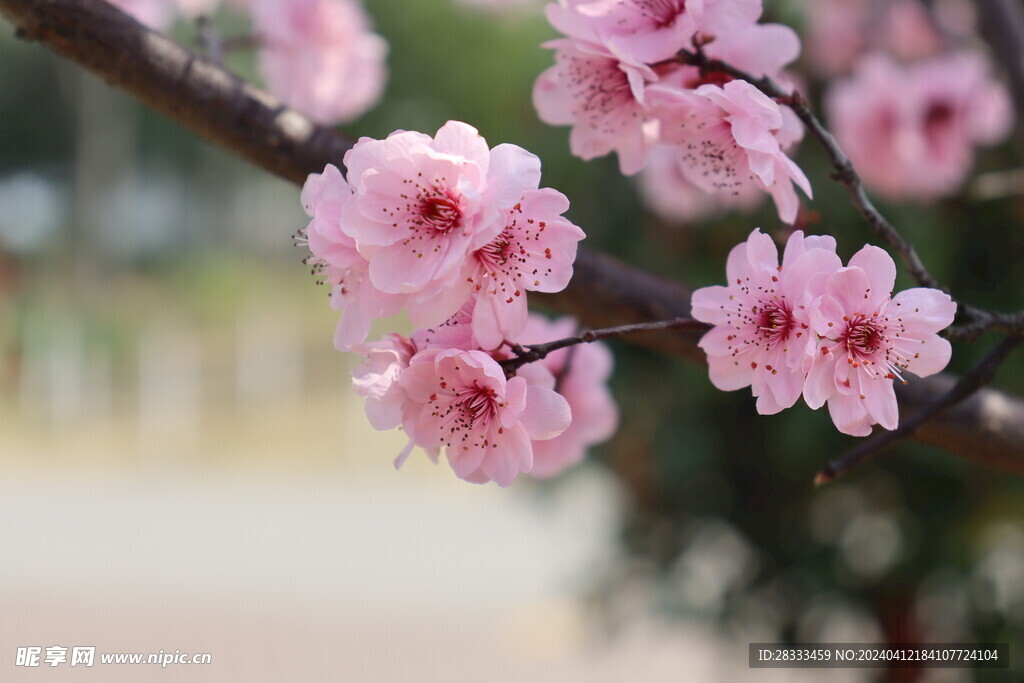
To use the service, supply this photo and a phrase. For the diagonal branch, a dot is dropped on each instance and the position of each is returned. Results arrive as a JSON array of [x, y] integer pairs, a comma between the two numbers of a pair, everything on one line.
[[980, 375], [207, 100], [221, 108], [847, 176]]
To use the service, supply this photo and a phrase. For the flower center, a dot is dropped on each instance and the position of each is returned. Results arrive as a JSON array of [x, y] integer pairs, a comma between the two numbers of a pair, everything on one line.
[[467, 420], [864, 337], [774, 321], [938, 115], [938, 123], [477, 403], [440, 211], [495, 254]]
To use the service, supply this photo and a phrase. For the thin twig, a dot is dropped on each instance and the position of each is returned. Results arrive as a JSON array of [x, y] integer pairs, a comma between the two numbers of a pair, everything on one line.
[[534, 352], [978, 376], [846, 175]]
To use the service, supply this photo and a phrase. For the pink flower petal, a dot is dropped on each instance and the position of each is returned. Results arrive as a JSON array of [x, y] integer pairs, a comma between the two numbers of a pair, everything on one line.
[[881, 272], [849, 415], [547, 413]]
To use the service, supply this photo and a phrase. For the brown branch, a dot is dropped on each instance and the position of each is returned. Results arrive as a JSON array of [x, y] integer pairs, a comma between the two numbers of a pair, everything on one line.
[[988, 427], [163, 75], [980, 375], [532, 353]]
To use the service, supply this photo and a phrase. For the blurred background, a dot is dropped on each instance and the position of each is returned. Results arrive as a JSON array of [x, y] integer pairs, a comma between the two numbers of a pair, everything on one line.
[[184, 466]]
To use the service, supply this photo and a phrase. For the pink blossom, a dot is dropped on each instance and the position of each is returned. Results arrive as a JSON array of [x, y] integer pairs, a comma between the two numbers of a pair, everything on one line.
[[534, 252], [376, 379], [667, 192], [421, 206], [911, 131], [653, 31], [761, 337], [617, 49], [911, 32], [335, 255], [580, 374], [648, 31], [758, 49], [601, 96], [836, 33], [729, 137], [320, 56], [870, 338], [956, 18], [454, 333], [461, 401]]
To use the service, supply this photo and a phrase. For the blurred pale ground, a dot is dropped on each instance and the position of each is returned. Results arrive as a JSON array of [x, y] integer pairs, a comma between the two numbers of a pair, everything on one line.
[[270, 530]]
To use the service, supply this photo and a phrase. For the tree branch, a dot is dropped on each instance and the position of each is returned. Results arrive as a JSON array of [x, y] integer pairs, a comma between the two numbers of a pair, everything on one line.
[[988, 427], [532, 353], [980, 375], [847, 176], [207, 100]]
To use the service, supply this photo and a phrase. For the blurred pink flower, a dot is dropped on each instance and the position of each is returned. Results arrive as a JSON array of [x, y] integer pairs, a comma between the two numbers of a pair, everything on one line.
[[911, 32], [836, 33], [728, 137], [580, 374], [870, 338], [840, 31], [461, 401], [911, 130], [761, 337], [320, 56]]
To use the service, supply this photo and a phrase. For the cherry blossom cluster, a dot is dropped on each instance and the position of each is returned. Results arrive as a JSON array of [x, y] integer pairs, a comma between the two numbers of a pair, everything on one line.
[[617, 82], [320, 57], [427, 224], [448, 394], [456, 234], [916, 96], [810, 326]]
